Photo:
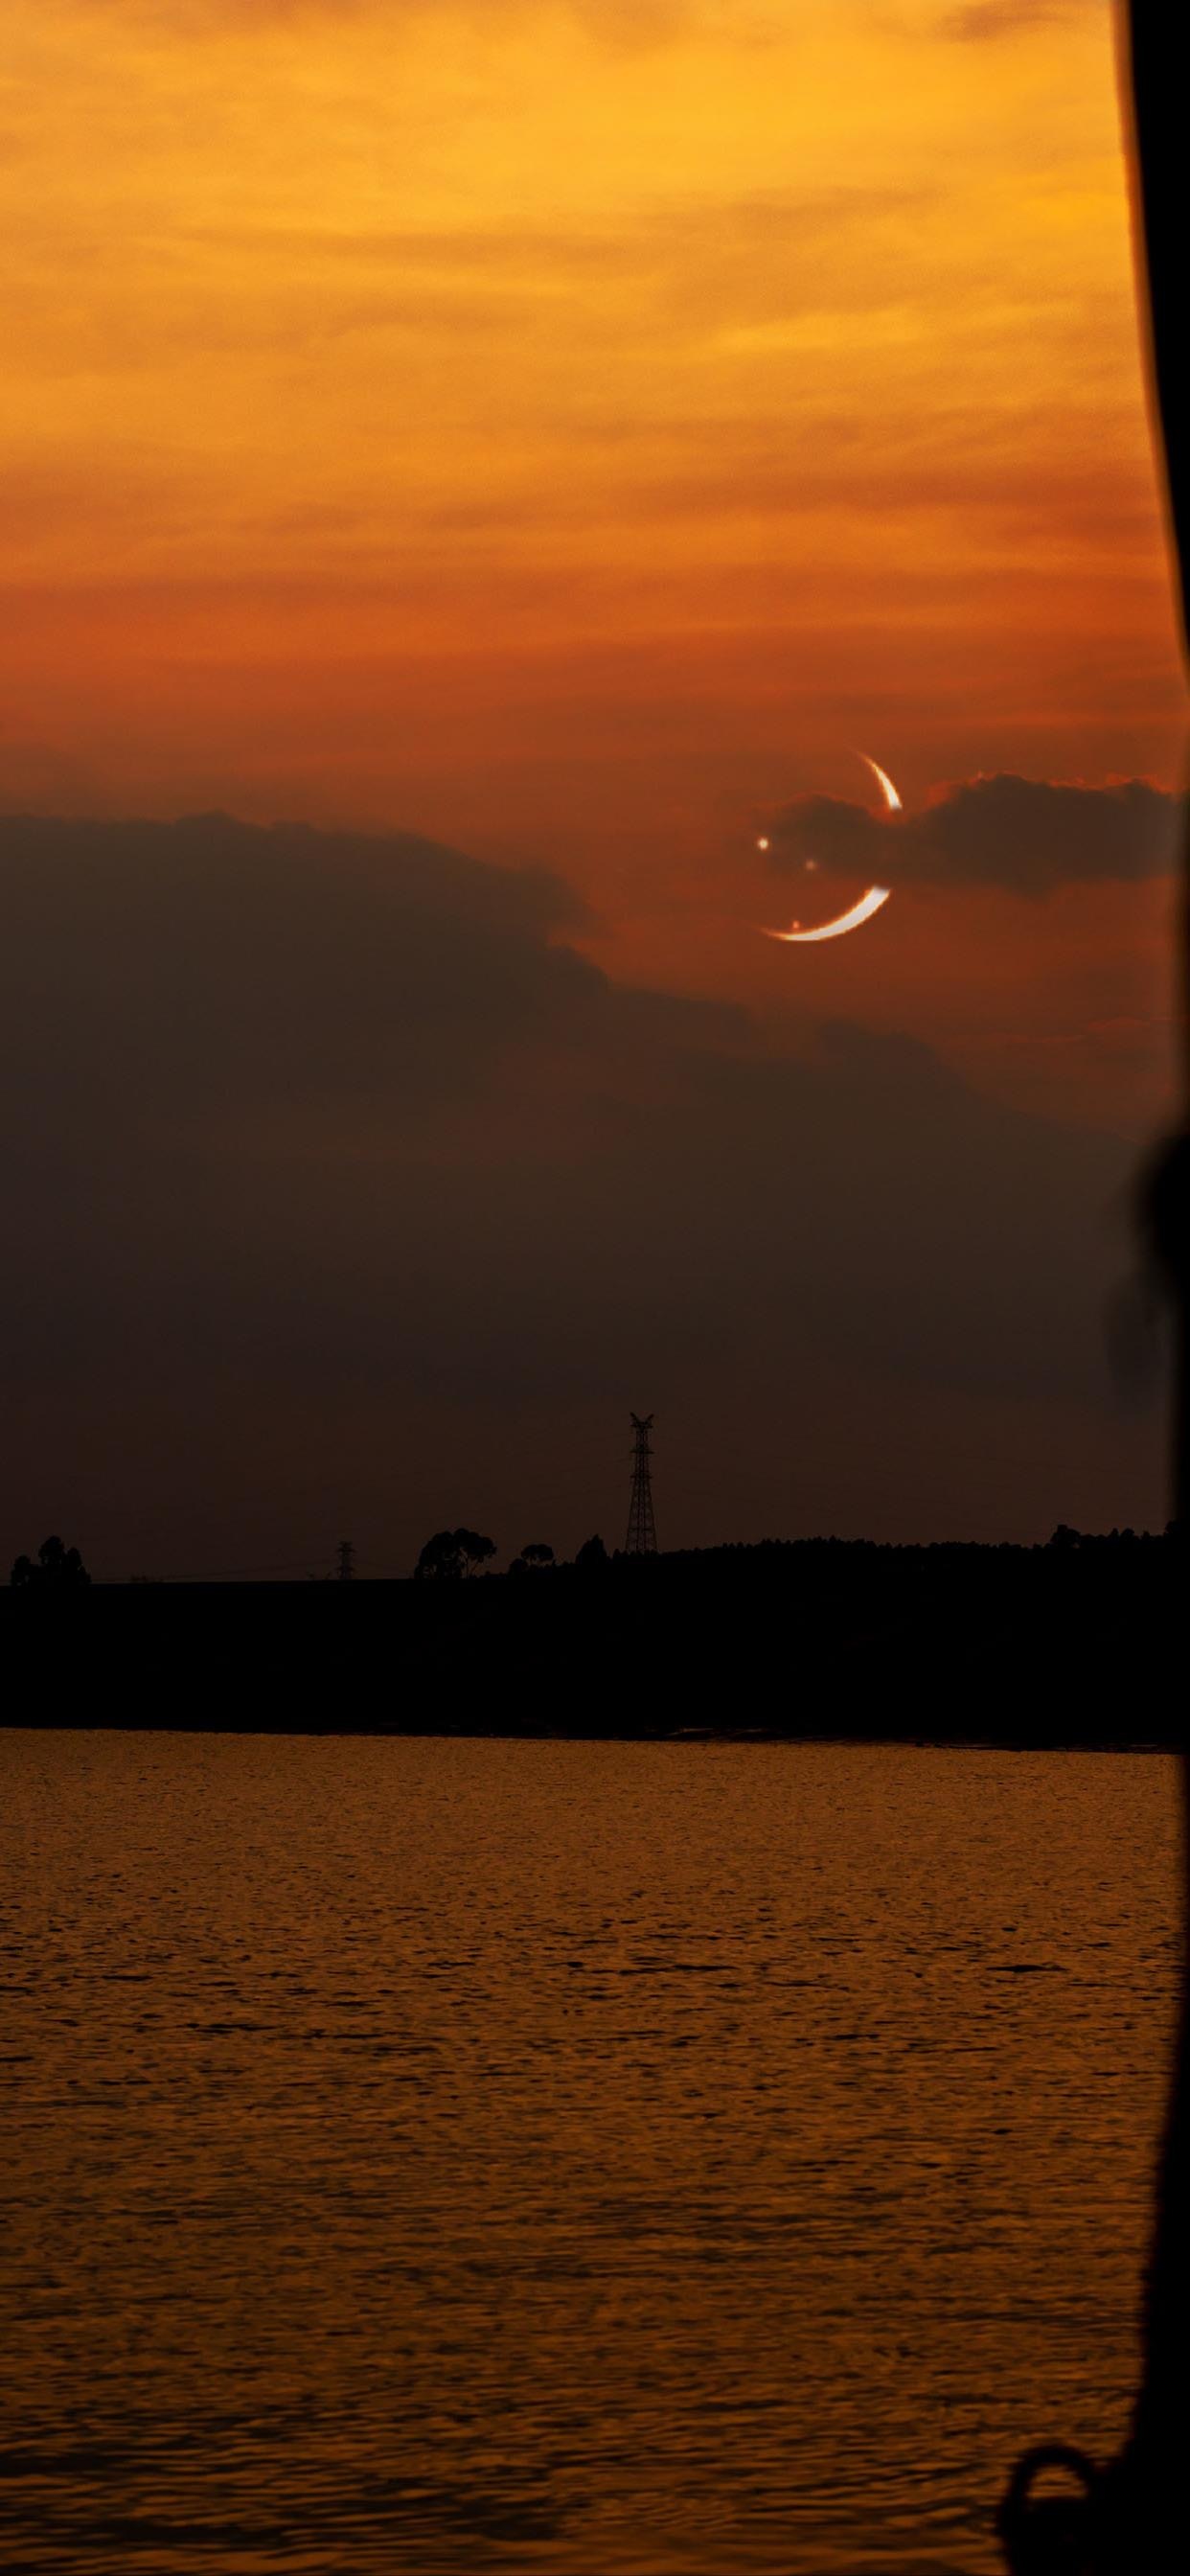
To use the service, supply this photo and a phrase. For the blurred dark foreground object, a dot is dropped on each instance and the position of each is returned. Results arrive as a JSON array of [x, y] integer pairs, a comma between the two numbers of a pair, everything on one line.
[[1131, 2519], [1052, 2532], [1101, 2526]]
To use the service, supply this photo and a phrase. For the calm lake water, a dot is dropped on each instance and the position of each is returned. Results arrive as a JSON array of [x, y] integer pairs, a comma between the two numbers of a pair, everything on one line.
[[592, 2159]]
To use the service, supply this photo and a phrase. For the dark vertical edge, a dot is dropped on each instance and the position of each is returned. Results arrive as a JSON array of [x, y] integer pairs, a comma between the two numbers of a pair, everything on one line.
[[1157, 106]]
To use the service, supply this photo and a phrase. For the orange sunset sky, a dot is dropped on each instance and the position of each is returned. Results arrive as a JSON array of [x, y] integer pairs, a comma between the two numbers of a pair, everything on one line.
[[570, 430]]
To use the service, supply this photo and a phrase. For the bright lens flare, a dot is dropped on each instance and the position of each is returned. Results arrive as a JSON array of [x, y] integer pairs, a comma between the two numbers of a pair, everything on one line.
[[869, 902], [861, 911], [884, 783]]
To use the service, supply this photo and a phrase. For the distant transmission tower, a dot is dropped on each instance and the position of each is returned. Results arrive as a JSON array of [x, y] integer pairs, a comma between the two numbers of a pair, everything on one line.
[[346, 1567], [642, 1528]]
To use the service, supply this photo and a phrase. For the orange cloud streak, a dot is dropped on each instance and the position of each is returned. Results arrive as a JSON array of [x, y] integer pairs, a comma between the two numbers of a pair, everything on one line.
[[567, 428]]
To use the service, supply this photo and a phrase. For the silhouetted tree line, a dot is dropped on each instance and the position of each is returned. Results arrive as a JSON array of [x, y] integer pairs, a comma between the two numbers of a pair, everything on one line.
[[1059, 1643], [452, 1554], [455, 1553], [55, 1569]]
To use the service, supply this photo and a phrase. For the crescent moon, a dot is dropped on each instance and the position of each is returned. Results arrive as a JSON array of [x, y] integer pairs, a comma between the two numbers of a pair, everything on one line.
[[884, 783], [861, 911], [869, 902]]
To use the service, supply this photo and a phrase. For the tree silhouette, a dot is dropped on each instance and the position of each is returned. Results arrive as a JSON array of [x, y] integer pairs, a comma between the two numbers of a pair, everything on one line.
[[451, 1554], [58, 1569], [592, 1555], [440, 1560], [532, 1558]]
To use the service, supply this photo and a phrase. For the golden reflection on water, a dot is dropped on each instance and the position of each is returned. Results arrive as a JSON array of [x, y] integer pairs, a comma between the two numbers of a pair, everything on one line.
[[452, 2156]]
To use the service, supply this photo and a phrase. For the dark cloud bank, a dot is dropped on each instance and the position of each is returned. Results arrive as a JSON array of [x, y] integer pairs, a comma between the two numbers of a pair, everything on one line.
[[1022, 834], [314, 1144]]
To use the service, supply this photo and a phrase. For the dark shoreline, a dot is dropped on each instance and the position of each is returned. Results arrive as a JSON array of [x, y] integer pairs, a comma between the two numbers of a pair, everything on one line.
[[1069, 1645], [282, 1733]]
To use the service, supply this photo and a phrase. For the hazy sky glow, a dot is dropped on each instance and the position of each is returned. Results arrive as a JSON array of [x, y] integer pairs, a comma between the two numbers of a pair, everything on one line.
[[569, 433]]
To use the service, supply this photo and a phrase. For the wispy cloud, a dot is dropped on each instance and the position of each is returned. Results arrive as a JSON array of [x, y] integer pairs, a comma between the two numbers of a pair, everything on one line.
[[987, 21]]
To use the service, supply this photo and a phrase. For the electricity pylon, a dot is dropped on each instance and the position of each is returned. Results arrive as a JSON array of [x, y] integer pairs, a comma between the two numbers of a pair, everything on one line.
[[642, 1528]]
